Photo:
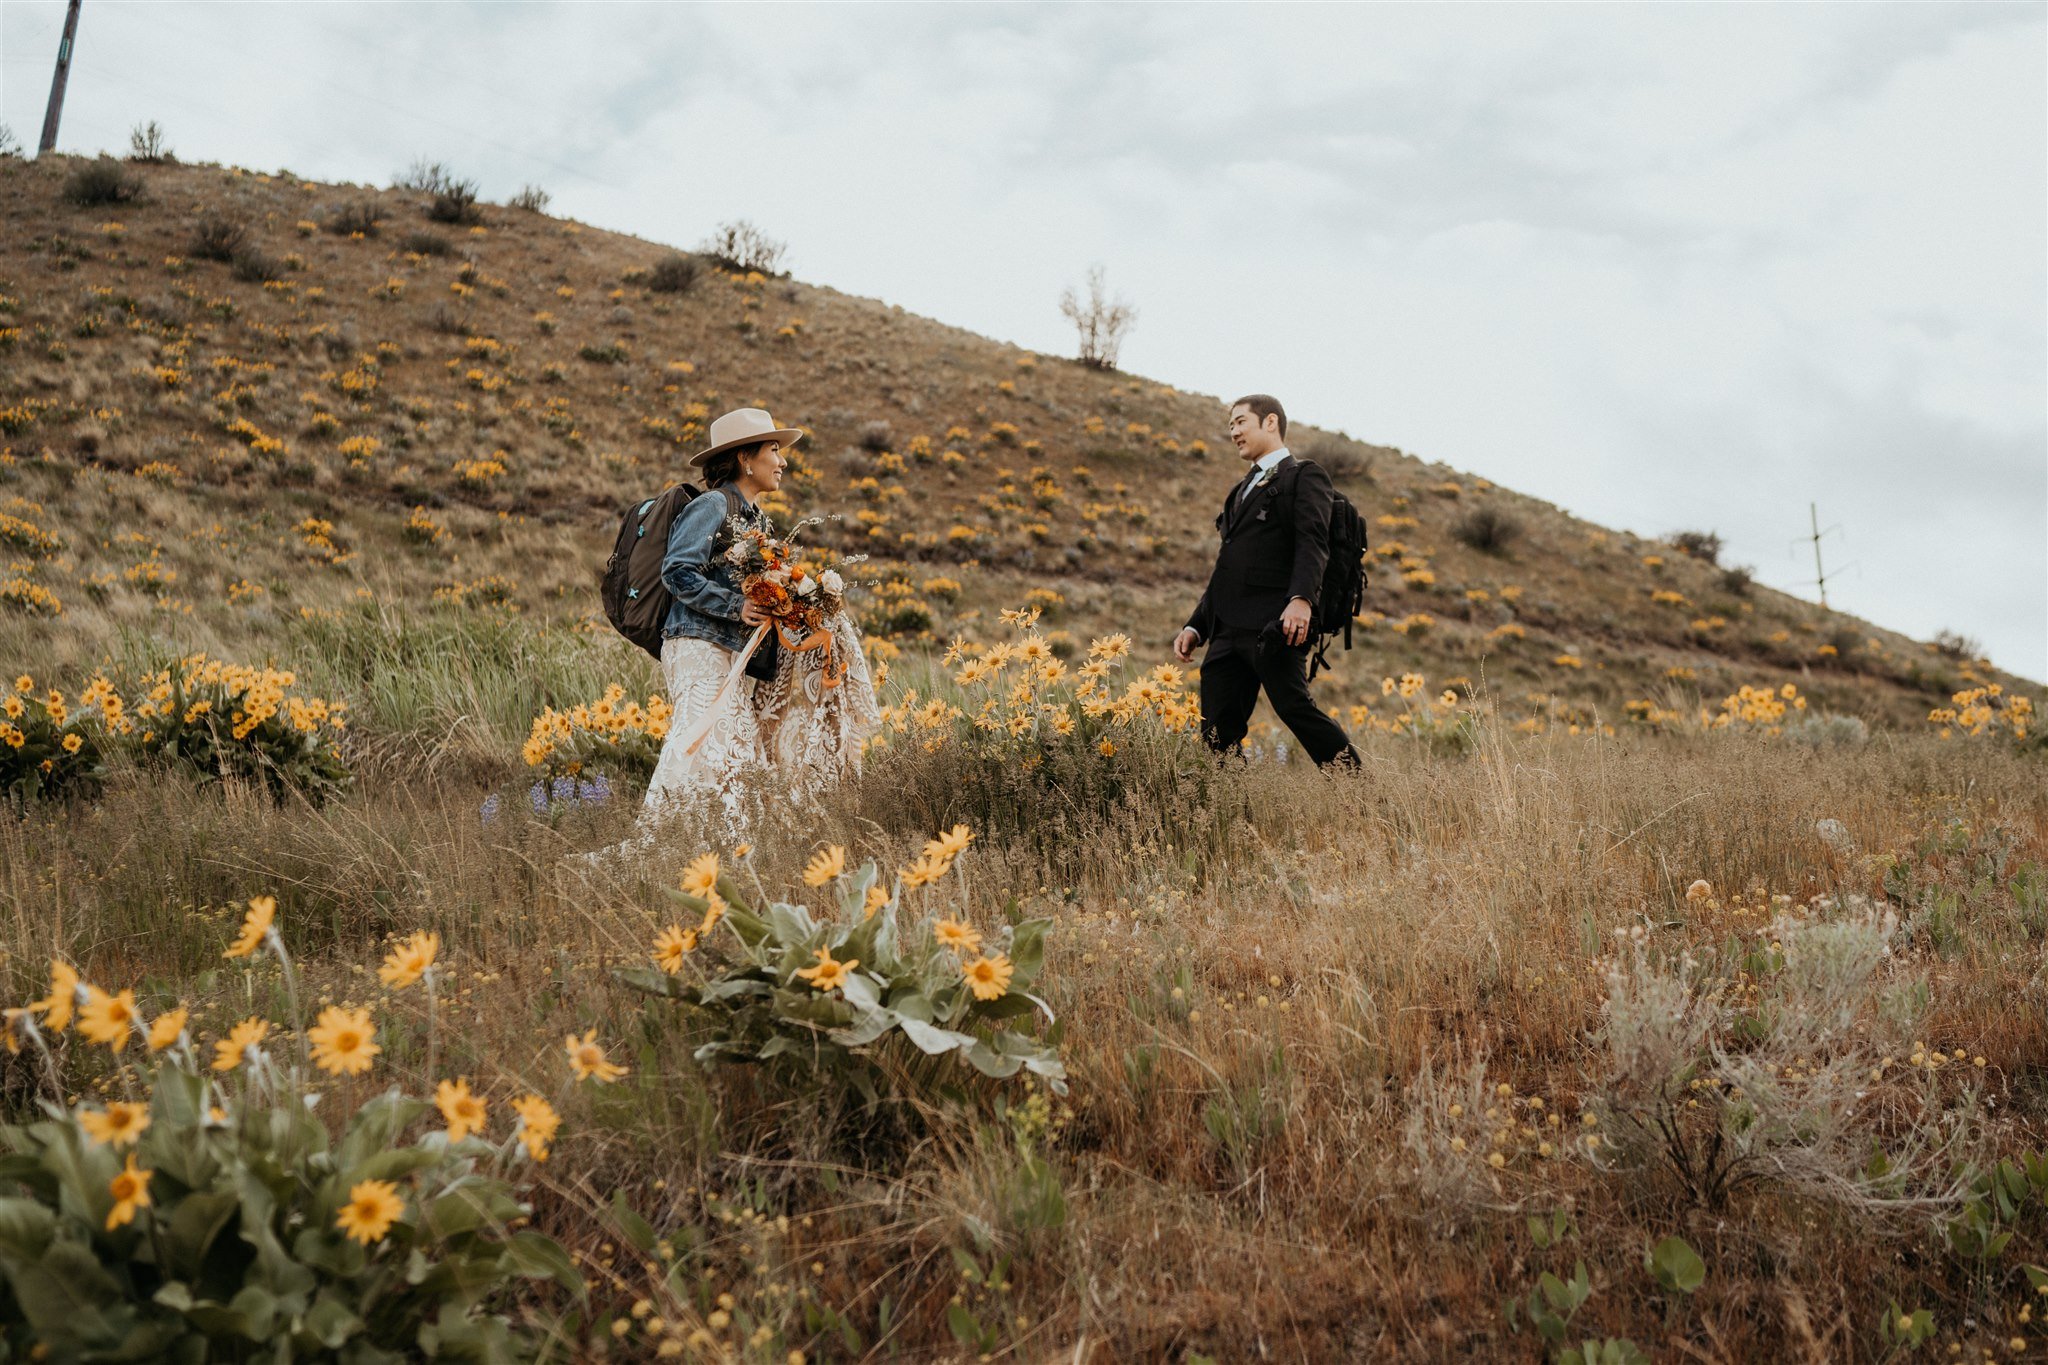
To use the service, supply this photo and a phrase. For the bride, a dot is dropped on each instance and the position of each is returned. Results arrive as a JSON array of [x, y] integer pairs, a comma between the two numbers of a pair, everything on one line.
[[784, 727]]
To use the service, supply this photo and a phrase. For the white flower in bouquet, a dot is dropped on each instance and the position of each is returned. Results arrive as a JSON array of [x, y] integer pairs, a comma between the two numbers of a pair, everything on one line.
[[833, 583], [807, 588]]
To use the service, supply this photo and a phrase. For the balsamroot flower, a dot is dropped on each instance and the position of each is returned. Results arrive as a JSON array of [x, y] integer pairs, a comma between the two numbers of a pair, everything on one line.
[[877, 898], [166, 1027], [372, 1207], [120, 1123], [827, 975], [961, 938], [700, 878], [950, 844], [538, 1122], [926, 870], [56, 1007], [989, 977], [228, 1051], [825, 865], [410, 960], [587, 1059], [107, 1018], [671, 946], [130, 1188], [464, 1111], [262, 910], [342, 1041]]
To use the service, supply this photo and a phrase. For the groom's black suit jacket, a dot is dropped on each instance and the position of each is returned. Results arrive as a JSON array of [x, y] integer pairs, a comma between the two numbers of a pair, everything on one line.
[[1274, 547]]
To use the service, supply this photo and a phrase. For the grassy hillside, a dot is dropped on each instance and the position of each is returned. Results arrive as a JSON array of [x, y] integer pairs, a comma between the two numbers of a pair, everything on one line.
[[360, 400], [1574, 1028]]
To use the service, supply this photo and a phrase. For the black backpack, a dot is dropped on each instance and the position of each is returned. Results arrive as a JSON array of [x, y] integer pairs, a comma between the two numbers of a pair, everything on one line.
[[1343, 594], [636, 601]]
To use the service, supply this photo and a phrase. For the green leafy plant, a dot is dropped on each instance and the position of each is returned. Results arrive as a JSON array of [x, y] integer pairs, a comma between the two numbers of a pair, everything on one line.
[[240, 1244], [1675, 1266], [216, 1215], [847, 998], [46, 753]]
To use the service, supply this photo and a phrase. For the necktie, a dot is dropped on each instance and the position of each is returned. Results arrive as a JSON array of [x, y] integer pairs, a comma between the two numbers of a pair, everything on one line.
[[1257, 477]]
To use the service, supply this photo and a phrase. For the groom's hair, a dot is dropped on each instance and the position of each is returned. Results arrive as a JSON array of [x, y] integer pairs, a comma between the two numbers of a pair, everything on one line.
[[1263, 405], [724, 467]]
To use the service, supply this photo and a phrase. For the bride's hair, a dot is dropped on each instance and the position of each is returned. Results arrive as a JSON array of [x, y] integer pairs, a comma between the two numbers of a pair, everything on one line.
[[724, 467]]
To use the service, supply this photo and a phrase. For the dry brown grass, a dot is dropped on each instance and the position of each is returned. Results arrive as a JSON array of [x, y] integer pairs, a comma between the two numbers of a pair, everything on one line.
[[1347, 937]]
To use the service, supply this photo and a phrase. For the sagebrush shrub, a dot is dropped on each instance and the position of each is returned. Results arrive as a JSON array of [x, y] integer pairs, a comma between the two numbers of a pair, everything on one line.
[[674, 273], [1789, 1063], [456, 202], [351, 219], [1702, 545], [1487, 528], [216, 238], [100, 182]]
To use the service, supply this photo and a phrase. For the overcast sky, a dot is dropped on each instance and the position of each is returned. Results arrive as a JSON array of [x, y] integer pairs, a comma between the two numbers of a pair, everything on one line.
[[1670, 267]]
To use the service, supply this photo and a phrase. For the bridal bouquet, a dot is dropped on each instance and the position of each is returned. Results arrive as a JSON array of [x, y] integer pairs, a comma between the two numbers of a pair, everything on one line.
[[800, 603]]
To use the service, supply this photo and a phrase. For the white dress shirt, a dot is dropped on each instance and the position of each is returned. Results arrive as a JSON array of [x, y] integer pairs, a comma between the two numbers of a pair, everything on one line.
[[1265, 467]]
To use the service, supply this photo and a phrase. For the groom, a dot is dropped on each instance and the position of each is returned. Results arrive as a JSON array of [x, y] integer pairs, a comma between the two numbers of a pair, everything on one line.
[[1257, 609]]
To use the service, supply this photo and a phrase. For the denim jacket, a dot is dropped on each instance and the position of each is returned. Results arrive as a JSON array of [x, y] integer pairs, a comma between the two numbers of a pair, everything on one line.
[[707, 597]]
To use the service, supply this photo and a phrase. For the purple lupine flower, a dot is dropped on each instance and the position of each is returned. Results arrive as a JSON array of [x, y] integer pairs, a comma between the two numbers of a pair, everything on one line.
[[538, 795], [490, 808], [564, 788]]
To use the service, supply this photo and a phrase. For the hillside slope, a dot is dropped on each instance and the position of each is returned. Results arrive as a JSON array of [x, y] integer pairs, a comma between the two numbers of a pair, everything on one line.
[[203, 449]]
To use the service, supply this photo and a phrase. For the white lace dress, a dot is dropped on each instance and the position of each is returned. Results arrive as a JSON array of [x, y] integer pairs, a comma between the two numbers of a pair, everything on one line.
[[786, 738], [728, 760], [811, 734]]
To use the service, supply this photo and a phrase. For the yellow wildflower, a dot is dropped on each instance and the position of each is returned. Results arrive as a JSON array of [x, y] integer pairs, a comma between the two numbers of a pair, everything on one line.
[[164, 1030], [961, 938], [463, 1110], [989, 977], [262, 910], [107, 1018], [120, 1123], [700, 878], [130, 1188], [825, 865], [410, 960], [537, 1124], [587, 1058], [827, 974], [343, 1041], [228, 1051], [372, 1207]]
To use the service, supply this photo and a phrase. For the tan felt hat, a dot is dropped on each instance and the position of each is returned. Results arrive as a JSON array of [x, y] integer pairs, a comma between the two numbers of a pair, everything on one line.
[[744, 426]]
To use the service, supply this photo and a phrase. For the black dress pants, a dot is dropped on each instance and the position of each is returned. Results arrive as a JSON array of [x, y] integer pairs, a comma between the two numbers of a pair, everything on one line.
[[1233, 671]]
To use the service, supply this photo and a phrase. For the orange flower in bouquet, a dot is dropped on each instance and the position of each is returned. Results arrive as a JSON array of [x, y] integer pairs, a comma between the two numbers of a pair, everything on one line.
[[799, 603]]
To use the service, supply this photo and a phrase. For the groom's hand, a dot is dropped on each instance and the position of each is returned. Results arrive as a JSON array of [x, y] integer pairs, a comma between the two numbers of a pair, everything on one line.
[[1184, 643], [1294, 620]]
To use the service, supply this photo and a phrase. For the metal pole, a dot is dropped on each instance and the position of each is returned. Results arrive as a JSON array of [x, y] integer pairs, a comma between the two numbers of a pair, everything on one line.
[[1820, 578], [50, 116]]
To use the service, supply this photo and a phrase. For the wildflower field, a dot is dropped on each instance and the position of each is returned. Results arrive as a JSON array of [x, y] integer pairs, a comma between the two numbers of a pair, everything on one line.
[[1663, 988]]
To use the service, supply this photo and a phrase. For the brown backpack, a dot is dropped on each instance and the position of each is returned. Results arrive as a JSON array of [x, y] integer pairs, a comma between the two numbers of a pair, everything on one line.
[[636, 601]]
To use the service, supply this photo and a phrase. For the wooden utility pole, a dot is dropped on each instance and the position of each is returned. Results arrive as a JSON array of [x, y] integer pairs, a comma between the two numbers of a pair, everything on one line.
[[56, 109], [1819, 577]]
